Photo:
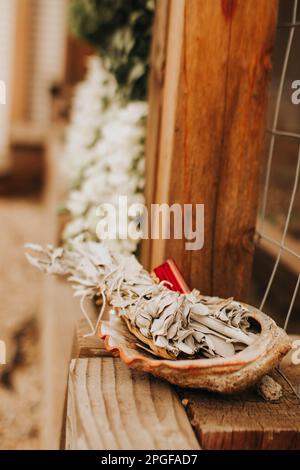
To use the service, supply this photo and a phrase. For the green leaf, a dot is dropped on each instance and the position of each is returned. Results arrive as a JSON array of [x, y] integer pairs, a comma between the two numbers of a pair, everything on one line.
[[121, 31]]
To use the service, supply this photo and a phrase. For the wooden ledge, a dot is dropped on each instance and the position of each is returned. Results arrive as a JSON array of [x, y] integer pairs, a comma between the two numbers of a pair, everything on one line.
[[112, 407], [246, 421], [91, 346], [243, 421]]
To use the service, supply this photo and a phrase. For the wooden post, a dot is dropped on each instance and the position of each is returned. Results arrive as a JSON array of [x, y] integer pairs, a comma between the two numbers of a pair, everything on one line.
[[76, 58], [21, 65], [211, 137], [156, 93]]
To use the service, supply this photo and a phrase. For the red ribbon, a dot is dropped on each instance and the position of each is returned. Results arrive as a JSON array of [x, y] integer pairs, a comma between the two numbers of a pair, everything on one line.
[[169, 271]]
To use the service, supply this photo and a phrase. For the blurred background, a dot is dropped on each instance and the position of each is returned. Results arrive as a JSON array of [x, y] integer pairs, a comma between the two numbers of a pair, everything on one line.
[[38, 59], [40, 63]]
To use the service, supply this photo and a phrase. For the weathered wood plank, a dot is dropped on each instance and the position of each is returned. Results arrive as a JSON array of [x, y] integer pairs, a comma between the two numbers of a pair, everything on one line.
[[213, 121], [166, 145], [246, 86], [273, 232], [245, 421], [156, 93], [59, 313], [88, 346], [112, 407], [21, 62], [77, 53]]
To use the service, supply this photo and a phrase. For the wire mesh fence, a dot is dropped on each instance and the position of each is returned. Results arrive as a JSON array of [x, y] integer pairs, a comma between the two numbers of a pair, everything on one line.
[[278, 227]]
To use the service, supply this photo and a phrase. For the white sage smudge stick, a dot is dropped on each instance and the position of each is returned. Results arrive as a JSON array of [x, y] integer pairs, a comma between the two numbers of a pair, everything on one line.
[[168, 323], [230, 332]]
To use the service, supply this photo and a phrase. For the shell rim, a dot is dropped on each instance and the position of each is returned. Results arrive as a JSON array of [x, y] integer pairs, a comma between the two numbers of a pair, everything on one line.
[[242, 358]]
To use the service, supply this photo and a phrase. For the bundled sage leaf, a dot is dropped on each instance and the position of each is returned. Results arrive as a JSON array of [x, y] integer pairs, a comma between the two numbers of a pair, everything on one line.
[[171, 324]]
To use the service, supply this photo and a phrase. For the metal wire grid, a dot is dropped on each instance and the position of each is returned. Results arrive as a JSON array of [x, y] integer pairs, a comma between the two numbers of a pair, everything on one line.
[[277, 133]]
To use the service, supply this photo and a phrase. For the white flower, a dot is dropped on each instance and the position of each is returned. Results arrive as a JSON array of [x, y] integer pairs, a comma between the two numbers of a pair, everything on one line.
[[103, 155], [134, 111], [74, 228], [77, 204], [92, 188]]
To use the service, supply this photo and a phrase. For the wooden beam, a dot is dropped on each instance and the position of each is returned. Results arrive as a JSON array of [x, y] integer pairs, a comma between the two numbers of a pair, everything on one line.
[[166, 149], [156, 90], [21, 64], [248, 72], [274, 232], [213, 121], [59, 312], [77, 53], [112, 407], [245, 421], [88, 346]]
